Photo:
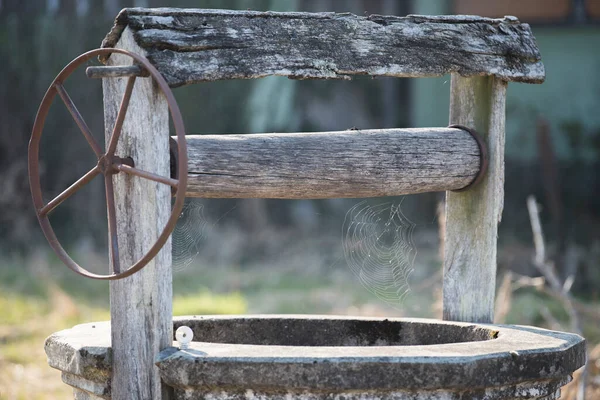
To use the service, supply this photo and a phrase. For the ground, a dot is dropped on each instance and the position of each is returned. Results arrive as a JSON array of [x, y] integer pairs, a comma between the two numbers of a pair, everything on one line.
[[39, 296]]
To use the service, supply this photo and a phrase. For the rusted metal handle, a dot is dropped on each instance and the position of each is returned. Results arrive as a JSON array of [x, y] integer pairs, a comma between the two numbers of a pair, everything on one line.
[[108, 163], [99, 72]]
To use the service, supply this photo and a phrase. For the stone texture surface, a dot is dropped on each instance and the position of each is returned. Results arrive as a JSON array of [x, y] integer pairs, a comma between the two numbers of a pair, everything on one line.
[[84, 355], [87, 387], [83, 395], [324, 357], [542, 390]]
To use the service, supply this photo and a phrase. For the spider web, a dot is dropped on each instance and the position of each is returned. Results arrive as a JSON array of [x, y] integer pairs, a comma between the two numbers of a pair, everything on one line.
[[378, 247], [188, 234]]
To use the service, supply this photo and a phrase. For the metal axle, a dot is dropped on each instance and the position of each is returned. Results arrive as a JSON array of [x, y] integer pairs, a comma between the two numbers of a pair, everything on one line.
[[98, 72]]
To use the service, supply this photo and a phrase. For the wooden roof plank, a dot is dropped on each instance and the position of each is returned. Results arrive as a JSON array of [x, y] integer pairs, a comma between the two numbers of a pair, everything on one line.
[[195, 45]]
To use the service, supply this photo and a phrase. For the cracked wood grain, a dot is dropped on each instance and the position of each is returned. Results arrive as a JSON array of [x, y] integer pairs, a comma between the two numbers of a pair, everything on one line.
[[472, 216], [140, 305], [195, 45], [354, 163]]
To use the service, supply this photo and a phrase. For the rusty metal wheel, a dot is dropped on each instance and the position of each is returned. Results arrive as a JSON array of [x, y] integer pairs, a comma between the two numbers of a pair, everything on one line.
[[108, 164]]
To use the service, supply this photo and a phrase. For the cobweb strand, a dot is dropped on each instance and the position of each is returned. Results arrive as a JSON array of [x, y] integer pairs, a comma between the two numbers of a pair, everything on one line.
[[379, 249], [189, 232]]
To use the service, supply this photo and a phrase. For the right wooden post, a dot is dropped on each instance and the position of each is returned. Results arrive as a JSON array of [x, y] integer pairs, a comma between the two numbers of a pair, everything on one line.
[[472, 216]]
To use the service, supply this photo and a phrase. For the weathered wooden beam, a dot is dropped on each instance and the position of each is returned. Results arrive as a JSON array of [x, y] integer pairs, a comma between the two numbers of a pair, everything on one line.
[[194, 45], [472, 216], [365, 163], [140, 305]]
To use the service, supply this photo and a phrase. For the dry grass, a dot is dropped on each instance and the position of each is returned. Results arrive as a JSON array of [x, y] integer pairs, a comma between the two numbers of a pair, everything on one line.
[[38, 297], [592, 391], [25, 374]]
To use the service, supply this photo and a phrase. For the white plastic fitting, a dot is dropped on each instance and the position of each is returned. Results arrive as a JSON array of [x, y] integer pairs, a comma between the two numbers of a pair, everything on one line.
[[184, 336]]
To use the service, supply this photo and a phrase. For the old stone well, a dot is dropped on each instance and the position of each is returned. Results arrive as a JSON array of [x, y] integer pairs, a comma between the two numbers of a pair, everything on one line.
[[327, 357], [249, 357]]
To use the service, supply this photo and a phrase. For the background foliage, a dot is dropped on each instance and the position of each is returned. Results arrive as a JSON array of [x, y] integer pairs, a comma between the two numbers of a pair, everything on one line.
[[281, 256]]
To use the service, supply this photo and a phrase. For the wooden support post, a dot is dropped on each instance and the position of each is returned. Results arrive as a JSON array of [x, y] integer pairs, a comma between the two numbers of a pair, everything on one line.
[[472, 216], [141, 305]]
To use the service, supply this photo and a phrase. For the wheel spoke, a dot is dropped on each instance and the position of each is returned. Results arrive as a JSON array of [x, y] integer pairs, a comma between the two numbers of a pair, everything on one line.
[[69, 191], [148, 175], [114, 138], [78, 119], [112, 224]]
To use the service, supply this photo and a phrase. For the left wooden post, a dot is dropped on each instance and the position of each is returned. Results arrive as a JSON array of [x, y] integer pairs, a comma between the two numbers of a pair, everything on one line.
[[141, 305]]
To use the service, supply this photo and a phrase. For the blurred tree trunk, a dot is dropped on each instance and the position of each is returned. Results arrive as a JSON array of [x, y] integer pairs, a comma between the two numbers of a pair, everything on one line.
[[41, 36], [270, 108], [112, 8]]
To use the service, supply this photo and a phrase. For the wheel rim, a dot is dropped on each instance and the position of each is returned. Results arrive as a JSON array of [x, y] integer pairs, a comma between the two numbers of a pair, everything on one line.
[[106, 160]]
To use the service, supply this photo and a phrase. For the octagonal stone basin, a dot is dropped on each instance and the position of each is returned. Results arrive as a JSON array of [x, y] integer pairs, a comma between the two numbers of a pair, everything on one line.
[[326, 357]]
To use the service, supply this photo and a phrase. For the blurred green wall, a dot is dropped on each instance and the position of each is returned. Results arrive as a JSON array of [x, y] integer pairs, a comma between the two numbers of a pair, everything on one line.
[[569, 99]]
